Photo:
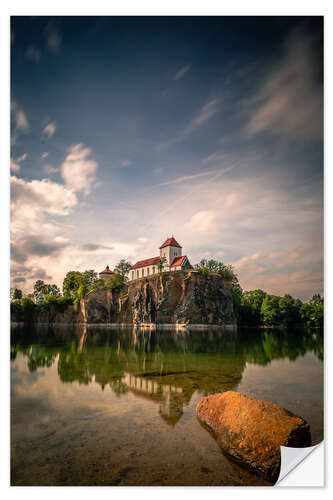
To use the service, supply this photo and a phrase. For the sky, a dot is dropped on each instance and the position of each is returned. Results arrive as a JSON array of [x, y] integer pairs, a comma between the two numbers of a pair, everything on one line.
[[127, 130]]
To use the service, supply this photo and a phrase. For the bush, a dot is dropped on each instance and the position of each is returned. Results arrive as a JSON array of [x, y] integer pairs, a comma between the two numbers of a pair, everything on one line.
[[115, 281]]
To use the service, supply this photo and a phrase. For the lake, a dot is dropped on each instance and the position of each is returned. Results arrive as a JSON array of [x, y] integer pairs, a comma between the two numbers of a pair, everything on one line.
[[100, 406]]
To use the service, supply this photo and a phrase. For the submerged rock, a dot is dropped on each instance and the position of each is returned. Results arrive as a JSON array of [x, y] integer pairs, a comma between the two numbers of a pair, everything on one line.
[[251, 431]]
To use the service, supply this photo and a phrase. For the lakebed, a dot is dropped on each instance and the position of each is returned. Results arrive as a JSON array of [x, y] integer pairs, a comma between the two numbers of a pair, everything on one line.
[[102, 406]]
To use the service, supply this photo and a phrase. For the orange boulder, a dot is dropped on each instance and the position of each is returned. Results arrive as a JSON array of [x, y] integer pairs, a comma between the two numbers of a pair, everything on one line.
[[252, 431]]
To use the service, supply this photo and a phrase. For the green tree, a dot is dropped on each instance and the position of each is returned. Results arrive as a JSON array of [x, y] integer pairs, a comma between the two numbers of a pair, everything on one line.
[[123, 268], [115, 281], [312, 312], [90, 277], [45, 288], [17, 294], [270, 311], [289, 310], [226, 271], [71, 283], [161, 263]]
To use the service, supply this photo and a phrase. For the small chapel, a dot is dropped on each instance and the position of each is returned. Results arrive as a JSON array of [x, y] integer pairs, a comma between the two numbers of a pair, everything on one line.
[[174, 261]]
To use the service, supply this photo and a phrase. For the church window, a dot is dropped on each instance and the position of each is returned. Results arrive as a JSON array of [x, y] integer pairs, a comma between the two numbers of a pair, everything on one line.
[[143, 272], [153, 269], [147, 271]]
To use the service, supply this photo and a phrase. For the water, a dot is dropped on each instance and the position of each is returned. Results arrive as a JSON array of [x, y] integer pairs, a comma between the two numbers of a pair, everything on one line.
[[116, 407]]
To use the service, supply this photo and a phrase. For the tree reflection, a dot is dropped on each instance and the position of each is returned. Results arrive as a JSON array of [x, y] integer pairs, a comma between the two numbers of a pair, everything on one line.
[[164, 367]]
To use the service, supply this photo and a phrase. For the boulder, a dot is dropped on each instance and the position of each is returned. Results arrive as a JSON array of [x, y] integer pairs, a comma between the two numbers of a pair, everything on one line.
[[251, 431]]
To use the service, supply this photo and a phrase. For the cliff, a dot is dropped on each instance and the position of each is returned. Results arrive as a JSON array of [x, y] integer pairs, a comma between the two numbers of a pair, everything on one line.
[[184, 298], [169, 298]]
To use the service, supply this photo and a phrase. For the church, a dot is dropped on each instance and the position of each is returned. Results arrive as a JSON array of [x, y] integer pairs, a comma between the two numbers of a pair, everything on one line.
[[174, 261]]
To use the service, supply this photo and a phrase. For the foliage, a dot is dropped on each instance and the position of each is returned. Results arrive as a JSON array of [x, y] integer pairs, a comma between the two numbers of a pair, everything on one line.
[[226, 271], [116, 280], [161, 263], [312, 312], [43, 288], [76, 284], [71, 283], [90, 277], [123, 268], [17, 294], [258, 308]]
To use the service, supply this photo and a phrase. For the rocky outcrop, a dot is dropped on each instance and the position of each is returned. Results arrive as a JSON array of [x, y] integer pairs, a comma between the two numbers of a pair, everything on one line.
[[252, 431], [183, 298]]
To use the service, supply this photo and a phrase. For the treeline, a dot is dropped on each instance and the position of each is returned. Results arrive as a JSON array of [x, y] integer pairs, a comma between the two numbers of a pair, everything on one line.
[[74, 287], [258, 308]]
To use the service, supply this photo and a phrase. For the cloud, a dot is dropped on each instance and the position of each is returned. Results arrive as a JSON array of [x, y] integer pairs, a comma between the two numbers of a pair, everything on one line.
[[202, 221], [21, 158], [44, 155], [180, 73], [34, 235], [184, 178], [50, 129], [50, 170], [14, 166], [92, 247], [126, 163], [53, 37], [207, 111], [33, 53], [290, 101], [20, 122], [79, 170]]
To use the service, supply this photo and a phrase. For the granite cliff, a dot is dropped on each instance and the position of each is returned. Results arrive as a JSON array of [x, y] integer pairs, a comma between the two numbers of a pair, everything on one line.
[[183, 298]]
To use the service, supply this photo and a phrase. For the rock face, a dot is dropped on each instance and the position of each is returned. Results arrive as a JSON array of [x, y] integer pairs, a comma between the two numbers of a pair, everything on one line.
[[252, 431], [169, 298]]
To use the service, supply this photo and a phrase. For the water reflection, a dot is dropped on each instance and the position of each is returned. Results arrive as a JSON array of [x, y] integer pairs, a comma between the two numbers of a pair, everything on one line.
[[164, 367]]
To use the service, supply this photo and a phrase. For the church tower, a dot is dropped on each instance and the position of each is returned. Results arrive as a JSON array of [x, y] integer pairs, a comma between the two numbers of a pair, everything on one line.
[[170, 250]]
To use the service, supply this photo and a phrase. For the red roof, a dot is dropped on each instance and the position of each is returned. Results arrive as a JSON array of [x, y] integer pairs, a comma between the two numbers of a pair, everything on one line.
[[106, 271], [170, 242], [177, 261], [146, 262]]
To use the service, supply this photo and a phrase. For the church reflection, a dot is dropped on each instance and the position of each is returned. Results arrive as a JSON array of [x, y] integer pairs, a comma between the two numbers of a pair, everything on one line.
[[163, 367]]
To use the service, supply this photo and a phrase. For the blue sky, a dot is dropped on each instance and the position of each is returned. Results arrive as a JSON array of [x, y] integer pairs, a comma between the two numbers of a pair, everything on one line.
[[127, 130]]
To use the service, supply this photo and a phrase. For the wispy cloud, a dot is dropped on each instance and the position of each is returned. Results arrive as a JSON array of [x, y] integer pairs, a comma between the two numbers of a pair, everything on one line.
[[181, 72], [78, 169], [44, 155], [289, 103], [21, 158], [126, 163], [207, 111], [53, 37], [49, 129], [33, 53], [50, 170], [184, 178], [15, 167]]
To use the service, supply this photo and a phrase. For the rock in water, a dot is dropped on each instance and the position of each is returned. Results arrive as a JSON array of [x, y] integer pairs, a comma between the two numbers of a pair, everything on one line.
[[252, 431]]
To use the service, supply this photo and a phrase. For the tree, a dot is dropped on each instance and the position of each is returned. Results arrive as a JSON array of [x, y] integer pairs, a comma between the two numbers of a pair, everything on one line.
[[90, 277], [71, 283], [161, 263], [115, 280], [289, 310], [312, 312], [270, 311], [123, 268], [226, 271], [17, 294], [43, 288], [38, 287]]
